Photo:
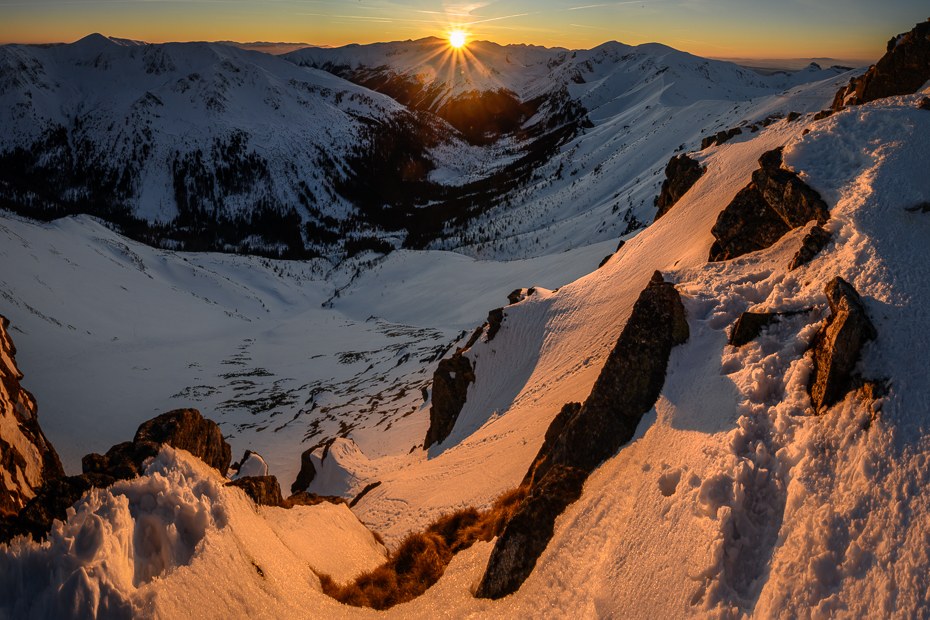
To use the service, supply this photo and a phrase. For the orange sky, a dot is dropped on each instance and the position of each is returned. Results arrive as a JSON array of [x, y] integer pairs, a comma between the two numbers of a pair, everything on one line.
[[846, 29]]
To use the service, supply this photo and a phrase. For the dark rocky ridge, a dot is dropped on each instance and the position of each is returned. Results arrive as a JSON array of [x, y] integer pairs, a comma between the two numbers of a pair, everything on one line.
[[627, 387], [453, 375], [903, 69], [838, 344], [19, 405], [681, 174], [775, 202], [184, 429]]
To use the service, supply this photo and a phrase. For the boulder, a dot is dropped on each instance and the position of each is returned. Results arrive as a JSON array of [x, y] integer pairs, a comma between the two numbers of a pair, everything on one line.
[[924, 104], [749, 325], [302, 498], [792, 116], [185, 429], [813, 242], [720, 137], [903, 70], [838, 344], [747, 224], [27, 458], [450, 390], [52, 502], [528, 532], [775, 202], [627, 387], [681, 174], [264, 490]]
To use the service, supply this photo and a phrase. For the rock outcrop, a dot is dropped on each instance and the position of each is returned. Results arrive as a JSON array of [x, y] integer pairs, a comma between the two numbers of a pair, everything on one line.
[[903, 69], [681, 174], [720, 137], [27, 459], [185, 429], [450, 390], [627, 387], [775, 202], [750, 324], [307, 472], [813, 242], [264, 490], [838, 344]]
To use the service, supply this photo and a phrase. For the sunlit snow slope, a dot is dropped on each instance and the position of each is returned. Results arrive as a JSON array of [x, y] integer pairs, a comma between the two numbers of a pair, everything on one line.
[[731, 499]]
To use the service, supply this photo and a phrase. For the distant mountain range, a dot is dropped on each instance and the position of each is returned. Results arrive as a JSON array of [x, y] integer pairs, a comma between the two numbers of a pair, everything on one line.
[[338, 150]]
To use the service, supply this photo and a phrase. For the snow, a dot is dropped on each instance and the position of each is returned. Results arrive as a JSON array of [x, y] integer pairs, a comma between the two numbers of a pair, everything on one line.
[[255, 465], [732, 500]]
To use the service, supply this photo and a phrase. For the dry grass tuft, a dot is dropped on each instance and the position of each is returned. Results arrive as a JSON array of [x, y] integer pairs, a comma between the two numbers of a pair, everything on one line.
[[420, 560]]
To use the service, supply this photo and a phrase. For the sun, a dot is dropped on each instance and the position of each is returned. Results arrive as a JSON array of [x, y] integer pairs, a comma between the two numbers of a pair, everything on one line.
[[457, 39]]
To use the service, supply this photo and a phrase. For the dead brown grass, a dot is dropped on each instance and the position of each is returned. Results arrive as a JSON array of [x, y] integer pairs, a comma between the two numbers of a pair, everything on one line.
[[421, 558]]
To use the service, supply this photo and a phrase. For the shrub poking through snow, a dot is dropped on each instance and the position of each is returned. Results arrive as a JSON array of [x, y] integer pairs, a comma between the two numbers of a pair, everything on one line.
[[421, 558]]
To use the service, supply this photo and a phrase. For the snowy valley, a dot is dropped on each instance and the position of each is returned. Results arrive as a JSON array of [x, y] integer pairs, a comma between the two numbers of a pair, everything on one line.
[[739, 490]]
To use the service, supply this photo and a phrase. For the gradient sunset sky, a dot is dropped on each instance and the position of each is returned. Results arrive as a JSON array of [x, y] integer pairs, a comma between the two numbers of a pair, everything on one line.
[[846, 29]]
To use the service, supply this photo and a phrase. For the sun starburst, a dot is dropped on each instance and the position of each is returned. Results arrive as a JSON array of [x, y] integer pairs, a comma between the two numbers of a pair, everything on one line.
[[457, 38]]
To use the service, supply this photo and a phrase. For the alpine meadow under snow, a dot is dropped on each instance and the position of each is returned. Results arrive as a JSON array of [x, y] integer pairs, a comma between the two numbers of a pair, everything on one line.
[[737, 496]]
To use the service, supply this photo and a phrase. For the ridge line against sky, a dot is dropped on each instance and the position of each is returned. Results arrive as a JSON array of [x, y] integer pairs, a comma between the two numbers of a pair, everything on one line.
[[848, 29]]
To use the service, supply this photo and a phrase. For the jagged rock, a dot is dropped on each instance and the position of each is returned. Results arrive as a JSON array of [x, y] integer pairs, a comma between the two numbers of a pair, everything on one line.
[[528, 532], [903, 69], [681, 174], [264, 490], [184, 429], [552, 433], [793, 116], [307, 471], [760, 214], [495, 320], [187, 430], [838, 343], [813, 242], [27, 458], [747, 224], [52, 502], [794, 201], [516, 297], [627, 387], [749, 325], [450, 388], [823, 114]]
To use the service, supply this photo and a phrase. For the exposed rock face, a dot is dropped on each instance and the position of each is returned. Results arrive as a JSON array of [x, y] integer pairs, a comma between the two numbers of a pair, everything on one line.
[[264, 490], [495, 320], [529, 530], [27, 459], [307, 472], [749, 325], [681, 174], [903, 69], [185, 429], [628, 387], [775, 202], [568, 411], [302, 498], [450, 388], [838, 344], [811, 245]]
